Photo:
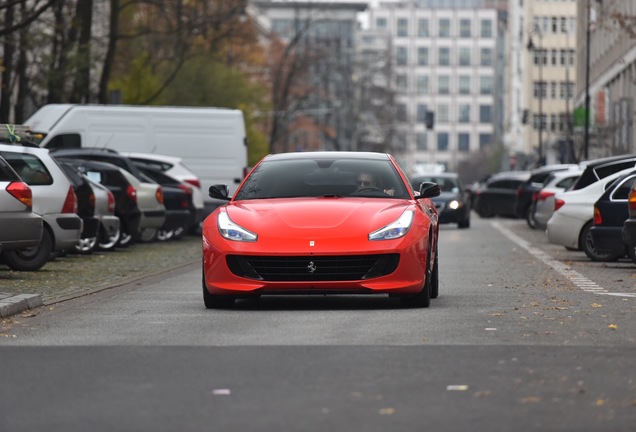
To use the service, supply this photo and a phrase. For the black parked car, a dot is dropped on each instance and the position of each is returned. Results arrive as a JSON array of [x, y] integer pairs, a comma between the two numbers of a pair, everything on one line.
[[85, 208], [453, 203], [177, 197], [610, 213], [597, 169], [527, 189], [126, 207], [497, 196]]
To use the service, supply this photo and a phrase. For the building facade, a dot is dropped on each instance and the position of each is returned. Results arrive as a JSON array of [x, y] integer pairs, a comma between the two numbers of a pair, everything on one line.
[[610, 84], [445, 76]]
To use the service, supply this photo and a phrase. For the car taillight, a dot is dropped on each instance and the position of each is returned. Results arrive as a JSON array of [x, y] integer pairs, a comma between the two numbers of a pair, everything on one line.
[[535, 196], [544, 195], [194, 182], [558, 203], [70, 203], [132, 193], [519, 191], [598, 219], [22, 192], [111, 202], [91, 200], [187, 189], [631, 201], [159, 195]]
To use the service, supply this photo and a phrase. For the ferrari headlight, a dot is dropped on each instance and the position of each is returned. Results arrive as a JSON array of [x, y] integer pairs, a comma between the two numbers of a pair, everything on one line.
[[232, 231], [396, 229], [454, 204]]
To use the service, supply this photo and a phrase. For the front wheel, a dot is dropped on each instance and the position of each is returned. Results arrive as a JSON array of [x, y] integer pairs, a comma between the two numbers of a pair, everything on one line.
[[530, 219], [435, 278], [214, 301], [631, 253], [31, 258]]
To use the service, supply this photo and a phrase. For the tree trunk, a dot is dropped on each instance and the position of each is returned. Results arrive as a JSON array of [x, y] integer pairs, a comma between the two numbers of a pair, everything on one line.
[[7, 70], [21, 72], [113, 34], [81, 84]]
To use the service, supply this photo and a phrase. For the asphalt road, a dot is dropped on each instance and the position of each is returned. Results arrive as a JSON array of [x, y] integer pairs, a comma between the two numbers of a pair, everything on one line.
[[524, 336]]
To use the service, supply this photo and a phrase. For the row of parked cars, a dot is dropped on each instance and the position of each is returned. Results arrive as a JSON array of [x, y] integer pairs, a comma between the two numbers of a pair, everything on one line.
[[589, 206], [82, 200]]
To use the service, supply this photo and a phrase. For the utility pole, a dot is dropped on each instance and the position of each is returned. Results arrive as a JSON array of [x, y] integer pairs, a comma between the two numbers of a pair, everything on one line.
[[586, 136]]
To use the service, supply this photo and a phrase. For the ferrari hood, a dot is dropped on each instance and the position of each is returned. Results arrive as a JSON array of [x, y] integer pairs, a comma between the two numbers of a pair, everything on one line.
[[315, 217]]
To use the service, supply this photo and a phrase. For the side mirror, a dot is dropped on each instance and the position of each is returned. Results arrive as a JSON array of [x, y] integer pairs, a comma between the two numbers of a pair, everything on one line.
[[219, 191], [429, 190]]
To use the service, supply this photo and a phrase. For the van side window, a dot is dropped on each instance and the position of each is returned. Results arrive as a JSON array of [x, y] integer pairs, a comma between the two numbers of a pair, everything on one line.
[[65, 141]]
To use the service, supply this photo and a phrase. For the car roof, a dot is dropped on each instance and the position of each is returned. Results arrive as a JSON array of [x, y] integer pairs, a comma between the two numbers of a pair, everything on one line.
[[444, 174], [327, 155]]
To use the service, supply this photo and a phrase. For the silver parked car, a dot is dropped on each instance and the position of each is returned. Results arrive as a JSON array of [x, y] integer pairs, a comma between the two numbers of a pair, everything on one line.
[[19, 226], [53, 199]]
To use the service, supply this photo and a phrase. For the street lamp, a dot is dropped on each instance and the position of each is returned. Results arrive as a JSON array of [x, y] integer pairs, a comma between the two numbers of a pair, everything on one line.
[[538, 54]]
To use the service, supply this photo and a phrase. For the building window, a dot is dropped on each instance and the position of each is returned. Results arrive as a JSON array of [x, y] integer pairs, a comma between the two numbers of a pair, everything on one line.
[[444, 56], [486, 28], [381, 23], [464, 56], [485, 139], [485, 56], [464, 28], [422, 56], [442, 141], [402, 56], [464, 84], [485, 114], [421, 141], [421, 113], [422, 84], [464, 113], [401, 83], [400, 114], [402, 27], [442, 114], [422, 27], [485, 85], [463, 142], [540, 89], [400, 138], [443, 84], [444, 27]]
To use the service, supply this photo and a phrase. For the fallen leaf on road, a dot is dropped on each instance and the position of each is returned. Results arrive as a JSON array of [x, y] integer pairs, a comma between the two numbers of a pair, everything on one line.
[[531, 399], [457, 387], [596, 305], [600, 402], [612, 326], [386, 411]]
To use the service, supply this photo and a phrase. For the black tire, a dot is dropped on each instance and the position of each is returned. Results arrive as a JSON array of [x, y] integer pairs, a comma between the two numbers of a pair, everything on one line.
[[423, 298], [108, 242], [86, 246], [531, 221], [435, 278], [587, 244], [631, 253], [125, 239], [463, 224], [215, 301], [32, 258]]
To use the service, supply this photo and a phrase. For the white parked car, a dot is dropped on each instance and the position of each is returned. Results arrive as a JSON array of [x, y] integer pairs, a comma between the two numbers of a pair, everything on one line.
[[53, 199], [573, 216], [544, 202], [174, 167], [109, 224]]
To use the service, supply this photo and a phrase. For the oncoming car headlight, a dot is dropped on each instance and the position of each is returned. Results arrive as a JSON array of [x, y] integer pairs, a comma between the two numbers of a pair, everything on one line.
[[232, 231], [394, 230], [454, 204]]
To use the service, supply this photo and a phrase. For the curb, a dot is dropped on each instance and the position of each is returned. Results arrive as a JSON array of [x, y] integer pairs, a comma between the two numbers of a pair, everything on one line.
[[14, 304]]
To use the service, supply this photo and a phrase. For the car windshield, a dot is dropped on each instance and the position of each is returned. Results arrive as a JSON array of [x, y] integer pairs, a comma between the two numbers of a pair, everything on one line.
[[309, 177], [446, 184]]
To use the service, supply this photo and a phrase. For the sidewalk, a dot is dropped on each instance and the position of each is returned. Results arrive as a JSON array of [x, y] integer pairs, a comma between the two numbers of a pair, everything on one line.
[[74, 275]]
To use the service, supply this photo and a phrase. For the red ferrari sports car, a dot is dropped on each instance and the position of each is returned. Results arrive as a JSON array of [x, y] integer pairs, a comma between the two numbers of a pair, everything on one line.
[[322, 223]]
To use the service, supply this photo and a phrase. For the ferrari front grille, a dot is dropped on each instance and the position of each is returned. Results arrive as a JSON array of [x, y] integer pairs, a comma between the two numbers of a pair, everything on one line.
[[312, 268]]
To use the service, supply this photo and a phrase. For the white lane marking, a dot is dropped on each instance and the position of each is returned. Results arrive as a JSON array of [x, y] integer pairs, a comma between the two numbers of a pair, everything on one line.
[[573, 276]]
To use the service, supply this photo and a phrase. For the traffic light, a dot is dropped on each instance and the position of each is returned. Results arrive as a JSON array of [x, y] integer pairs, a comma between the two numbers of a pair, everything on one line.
[[430, 119]]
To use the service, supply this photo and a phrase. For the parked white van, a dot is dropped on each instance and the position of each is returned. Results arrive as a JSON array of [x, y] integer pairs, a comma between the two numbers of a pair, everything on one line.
[[211, 141]]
